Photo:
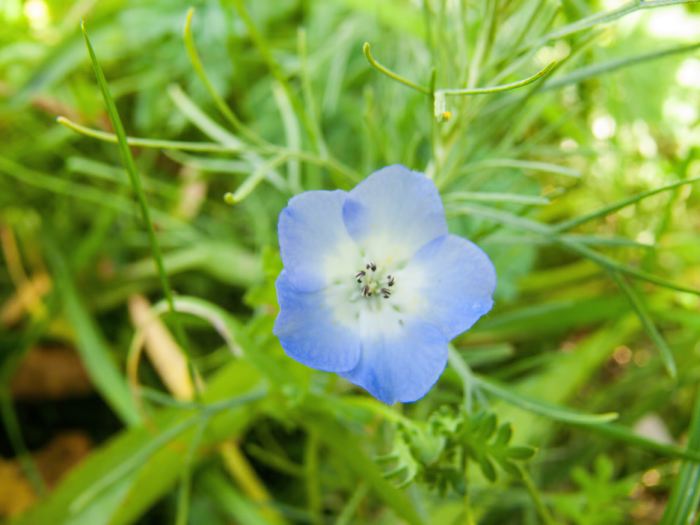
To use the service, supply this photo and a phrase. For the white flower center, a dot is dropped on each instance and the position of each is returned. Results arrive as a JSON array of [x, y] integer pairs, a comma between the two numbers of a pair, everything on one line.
[[373, 295], [374, 282]]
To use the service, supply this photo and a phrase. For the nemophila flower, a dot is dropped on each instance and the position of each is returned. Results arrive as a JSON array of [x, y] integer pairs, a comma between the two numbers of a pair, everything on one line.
[[374, 287]]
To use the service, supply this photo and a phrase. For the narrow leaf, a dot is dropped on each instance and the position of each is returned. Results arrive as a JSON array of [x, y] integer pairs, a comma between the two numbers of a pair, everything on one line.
[[91, 344], [551, 411], [685, 495], [643, 313]]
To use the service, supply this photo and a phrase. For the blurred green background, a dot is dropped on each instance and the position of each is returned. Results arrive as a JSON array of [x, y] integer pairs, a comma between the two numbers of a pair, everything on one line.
[[591, 355]]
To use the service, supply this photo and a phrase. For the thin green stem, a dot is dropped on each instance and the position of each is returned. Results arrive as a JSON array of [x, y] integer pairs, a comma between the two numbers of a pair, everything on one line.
[[137, 186], [462, 369], [307, 92], [502, 87], [388, 72], [209, 147], [327, 162], [225, 110], [253, 180], [278, 73], [483, 43], [534, 493]]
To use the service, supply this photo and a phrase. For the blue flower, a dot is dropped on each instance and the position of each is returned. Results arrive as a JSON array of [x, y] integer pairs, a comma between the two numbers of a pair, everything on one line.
[[374, 287]]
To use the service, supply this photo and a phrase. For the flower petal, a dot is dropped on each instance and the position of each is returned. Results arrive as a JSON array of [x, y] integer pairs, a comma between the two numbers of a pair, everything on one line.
[[401, 366], [314, 243], [457, 281], [394, 212], [309, 332]]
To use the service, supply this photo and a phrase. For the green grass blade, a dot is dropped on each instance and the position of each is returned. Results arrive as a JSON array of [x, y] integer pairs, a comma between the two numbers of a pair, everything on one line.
[[103, 171], [557, 413], [308, 97], [598, 423], [183, 496], [620, 433], [204, 256], [522, 223], [230, 501], [346, 515], [611, 264], [501, 216], [90, 343], [145, 453], [607, 210], [587, 240], [685, 495], [226, 401], [62, 186], [597, 240], [479, 196], [278, 73], [597, 70], [292, 133], [606, 17], [529, 165], [200, 119], [138, 459], [223, 108], [136, 184], [643, 313]]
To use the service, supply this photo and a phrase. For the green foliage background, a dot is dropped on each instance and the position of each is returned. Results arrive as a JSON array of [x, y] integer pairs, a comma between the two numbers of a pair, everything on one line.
[[581, 186]]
